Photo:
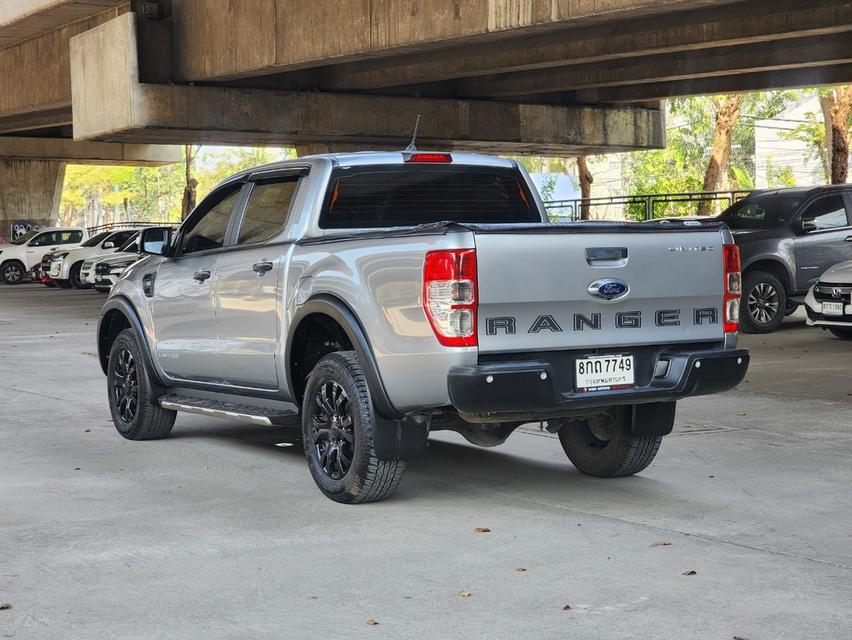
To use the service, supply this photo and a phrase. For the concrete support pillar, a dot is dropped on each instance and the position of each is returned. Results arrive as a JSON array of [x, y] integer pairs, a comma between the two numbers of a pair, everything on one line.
[[30, 191]]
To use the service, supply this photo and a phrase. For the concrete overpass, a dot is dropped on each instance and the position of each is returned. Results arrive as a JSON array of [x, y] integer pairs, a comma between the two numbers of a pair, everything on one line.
[[556, 77]]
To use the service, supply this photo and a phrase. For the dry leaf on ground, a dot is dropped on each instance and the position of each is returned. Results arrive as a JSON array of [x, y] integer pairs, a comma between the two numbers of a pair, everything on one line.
[[689, 573], [482, 530], [520, 569], [567, 607], [371, 621], [465, 594], [662, 543], [5, 605]]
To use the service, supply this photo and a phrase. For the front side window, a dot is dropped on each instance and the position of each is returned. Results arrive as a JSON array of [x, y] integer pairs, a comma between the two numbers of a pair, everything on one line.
[[96, 240], [267, 209], [826, 213], [119, 237], [44, 239], [208, 226]]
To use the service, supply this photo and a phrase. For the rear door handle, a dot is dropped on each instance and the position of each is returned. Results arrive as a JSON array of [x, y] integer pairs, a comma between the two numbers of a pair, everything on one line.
[[262, 267], [201, 276]]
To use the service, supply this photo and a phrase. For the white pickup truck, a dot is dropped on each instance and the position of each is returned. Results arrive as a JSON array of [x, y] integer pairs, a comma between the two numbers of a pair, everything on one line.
[[19, 257], [375, 297]]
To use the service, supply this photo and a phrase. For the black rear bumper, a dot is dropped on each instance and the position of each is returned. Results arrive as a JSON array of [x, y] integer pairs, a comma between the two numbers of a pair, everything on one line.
[[545, 384]]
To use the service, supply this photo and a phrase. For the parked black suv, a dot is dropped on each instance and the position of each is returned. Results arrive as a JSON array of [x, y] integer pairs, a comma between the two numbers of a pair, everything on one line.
[[787, 239]]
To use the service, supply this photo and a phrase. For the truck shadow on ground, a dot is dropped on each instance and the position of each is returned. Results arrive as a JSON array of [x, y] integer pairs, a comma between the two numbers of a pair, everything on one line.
[[453, 467]]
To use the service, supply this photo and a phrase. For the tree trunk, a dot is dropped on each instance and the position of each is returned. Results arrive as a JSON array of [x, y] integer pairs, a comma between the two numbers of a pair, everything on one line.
[[840, 112], [189, 193], [727, 115], [586, 180], [826, 102]]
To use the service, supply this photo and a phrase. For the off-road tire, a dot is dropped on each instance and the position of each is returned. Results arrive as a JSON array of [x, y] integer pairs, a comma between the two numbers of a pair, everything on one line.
[[623, 454], [63, 284], [367, 479], [752, 284], [74, 277], [150, 421], [842, 333], [12, 272]]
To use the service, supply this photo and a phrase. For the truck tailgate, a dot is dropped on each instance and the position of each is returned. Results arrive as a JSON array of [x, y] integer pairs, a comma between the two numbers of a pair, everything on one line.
[[581, 288]]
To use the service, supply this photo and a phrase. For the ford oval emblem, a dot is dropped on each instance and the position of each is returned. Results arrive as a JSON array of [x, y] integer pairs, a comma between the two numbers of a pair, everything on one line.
[[608, 289]]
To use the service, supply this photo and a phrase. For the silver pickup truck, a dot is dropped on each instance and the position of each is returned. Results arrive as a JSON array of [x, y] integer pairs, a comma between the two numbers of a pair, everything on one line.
[[375, 297]]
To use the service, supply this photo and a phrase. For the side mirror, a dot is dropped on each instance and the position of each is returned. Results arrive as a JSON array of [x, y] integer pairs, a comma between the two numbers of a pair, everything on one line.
[[807, 225], [155, 241], [109, 245]]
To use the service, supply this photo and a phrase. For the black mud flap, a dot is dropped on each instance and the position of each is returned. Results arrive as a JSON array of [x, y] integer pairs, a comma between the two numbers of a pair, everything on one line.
[[653, 419], [402, 439]]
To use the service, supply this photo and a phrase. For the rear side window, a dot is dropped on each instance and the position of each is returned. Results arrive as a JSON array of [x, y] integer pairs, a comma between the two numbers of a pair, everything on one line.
[[267, 209], [409, 195]]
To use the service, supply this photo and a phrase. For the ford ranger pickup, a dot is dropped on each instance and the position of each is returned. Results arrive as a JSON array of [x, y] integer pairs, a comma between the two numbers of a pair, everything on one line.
[[372, 298]]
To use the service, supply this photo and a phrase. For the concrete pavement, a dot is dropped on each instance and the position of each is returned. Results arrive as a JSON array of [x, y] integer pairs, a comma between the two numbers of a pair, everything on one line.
[[219, 532]]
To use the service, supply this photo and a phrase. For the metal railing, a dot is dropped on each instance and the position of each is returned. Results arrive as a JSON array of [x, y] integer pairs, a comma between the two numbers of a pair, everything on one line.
[[641, 207], [126, 225]]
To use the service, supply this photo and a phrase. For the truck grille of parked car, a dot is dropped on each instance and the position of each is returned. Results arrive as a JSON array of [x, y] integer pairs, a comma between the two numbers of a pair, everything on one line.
[[829, 293]]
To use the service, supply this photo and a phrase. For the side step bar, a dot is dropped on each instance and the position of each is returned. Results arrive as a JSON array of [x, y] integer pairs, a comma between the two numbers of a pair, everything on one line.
[[232, 410]]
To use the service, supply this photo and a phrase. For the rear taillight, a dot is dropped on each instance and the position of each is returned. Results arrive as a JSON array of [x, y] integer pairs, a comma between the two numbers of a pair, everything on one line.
[[450, 296], [733, 287]]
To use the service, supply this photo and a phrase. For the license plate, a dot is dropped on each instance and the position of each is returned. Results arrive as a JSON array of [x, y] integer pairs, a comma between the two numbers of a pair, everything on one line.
[[832, 308], [601, 373]]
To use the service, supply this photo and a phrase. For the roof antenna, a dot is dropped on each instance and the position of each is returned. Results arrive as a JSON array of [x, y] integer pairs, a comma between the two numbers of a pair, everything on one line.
[[411, 146]]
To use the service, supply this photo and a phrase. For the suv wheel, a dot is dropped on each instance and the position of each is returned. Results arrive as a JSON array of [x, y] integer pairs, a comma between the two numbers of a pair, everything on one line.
[[605, 447], [135, 409], [74, 277], [338, 427], [764, 303], [841, 332], [12, 272]]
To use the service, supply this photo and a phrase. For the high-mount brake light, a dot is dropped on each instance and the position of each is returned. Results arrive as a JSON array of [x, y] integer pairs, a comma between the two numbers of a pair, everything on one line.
[[437, 158], [733, 287], [450, 296]]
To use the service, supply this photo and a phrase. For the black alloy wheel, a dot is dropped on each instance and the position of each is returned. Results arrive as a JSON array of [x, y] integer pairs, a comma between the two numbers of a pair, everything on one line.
[[125, 387], [334, 432]]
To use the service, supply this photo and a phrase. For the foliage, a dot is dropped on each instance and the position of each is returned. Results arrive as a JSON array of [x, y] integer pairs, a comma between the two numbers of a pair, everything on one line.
[[680, 167], [95, 195]]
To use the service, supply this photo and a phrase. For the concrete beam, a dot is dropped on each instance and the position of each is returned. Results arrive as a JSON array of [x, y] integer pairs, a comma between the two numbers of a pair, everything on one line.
[[796, 53], [37, 73], [110, 104], [747, 23], [210, 39], [36, 120], [765, 81], [101, 153]]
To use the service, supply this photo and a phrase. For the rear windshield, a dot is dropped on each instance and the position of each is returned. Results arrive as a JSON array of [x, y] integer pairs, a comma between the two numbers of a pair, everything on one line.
[[760, 212], [410, 195]]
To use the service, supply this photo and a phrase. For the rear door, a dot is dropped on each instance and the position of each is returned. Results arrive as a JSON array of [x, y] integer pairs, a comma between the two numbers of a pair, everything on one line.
[[184, 317], [249, 313], [546, 290], [827, 241]]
